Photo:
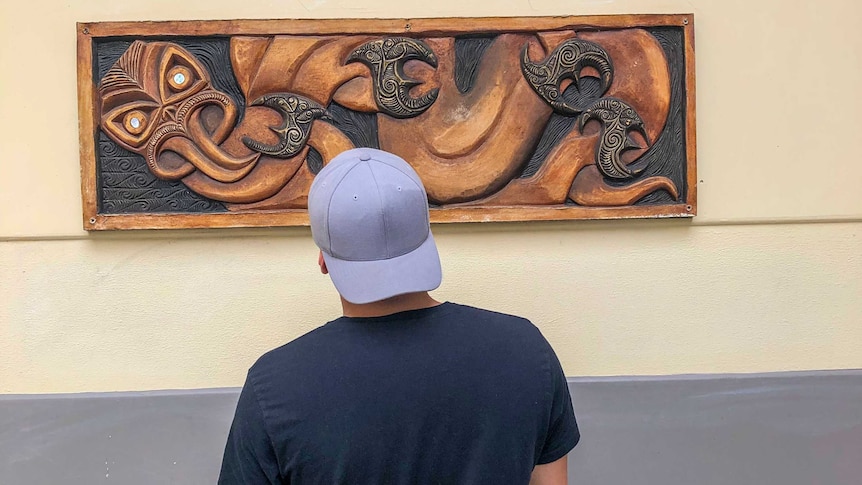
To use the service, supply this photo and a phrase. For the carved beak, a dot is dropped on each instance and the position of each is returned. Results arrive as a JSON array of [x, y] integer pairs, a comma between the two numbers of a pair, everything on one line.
[[582, 120], [639, 127], [298, 113]]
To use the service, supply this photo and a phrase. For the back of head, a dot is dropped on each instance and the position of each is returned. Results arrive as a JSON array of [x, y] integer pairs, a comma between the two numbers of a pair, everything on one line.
[[369, 216]]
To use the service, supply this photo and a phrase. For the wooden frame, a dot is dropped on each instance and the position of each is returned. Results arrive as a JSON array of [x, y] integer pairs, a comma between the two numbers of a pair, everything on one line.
[[87, 33]]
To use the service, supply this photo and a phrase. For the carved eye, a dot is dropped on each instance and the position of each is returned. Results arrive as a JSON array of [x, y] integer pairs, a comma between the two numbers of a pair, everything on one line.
[[180, 78], [135, 122], [372, 56], [305, 116], [131, 123], [181, 75]]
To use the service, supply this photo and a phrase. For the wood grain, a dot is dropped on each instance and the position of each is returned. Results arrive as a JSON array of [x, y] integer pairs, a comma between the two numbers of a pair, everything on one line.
[[274, 200], [690, 115], [87, 127], [438, 216], [439, 26]]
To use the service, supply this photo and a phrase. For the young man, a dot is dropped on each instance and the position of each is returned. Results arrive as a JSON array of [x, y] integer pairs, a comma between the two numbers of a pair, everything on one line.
[[401, 389]]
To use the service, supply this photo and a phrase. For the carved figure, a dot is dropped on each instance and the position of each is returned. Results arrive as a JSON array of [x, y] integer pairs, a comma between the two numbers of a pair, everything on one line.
[[470, 146], [386, 58]]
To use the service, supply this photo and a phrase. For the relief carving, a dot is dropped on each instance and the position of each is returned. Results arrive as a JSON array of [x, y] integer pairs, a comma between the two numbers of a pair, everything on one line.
[[386, 58], [558, 118]]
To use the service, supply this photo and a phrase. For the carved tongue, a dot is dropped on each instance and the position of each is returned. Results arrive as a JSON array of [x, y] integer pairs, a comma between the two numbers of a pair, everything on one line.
[[215, 170], [219, 157]]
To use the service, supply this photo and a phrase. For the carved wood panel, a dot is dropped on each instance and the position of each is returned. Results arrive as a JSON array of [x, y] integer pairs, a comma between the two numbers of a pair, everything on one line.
[[225, 123]]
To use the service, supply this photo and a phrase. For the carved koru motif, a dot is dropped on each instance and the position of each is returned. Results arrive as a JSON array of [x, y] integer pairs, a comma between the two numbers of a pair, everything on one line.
[[565, 62], [471, 148], [298, 112], [617, 119], [157, 113], [386, 58]]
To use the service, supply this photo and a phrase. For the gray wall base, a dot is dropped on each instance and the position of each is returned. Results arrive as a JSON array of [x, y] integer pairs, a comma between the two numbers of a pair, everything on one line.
[[782, 429], [773, 429]]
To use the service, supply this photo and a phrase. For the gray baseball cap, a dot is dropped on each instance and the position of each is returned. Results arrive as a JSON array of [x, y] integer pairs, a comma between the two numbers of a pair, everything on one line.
[[369, 216]]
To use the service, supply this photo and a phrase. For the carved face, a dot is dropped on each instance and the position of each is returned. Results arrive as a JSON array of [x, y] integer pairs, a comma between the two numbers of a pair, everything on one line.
[[157, 100]]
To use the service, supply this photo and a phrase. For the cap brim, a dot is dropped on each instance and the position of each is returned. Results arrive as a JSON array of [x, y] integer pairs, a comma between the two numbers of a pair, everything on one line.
[[369, 281]]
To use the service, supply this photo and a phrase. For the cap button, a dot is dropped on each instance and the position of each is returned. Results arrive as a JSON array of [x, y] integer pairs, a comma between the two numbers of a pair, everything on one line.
[[365, 156]]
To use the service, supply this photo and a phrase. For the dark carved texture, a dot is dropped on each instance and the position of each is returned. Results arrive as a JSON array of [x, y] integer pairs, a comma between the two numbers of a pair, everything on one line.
[[298, 113], [468, 55], [386, 58], [560, 125], [667, 155], [127, 186], [566, 62], [360, 128], [617, 119], [314, 160]]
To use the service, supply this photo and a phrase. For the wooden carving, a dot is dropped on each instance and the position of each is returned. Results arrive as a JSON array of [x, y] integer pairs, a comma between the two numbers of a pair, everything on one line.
[[218, 124]]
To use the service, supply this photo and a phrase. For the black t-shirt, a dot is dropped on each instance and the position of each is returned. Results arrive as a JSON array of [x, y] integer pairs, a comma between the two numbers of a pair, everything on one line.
[[445, 395]]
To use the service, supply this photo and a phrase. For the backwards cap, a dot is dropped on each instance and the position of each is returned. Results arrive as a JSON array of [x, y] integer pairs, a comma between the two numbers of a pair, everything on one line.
[[369, 216]]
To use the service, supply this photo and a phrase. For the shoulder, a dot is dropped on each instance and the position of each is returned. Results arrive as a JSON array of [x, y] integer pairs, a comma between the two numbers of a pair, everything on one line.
[[493, 317], [293, 355], [501, 324]]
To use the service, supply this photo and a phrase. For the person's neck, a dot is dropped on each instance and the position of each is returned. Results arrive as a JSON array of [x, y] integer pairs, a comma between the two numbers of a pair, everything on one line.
[[396, 304]]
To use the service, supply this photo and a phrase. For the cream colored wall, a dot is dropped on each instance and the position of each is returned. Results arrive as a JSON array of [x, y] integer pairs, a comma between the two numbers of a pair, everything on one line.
[[768, 277]]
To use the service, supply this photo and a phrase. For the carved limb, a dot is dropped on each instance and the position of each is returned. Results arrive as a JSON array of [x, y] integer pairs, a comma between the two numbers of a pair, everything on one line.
[[176, 149], [190, 152], [462, 146], [590, 189], [270, 175], [634, 52], [327, 140], [551, 183], [269, 64], [310, 66], [324, 74]]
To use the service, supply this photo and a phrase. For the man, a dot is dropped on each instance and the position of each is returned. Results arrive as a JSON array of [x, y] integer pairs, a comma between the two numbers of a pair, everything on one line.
[[401, 389]]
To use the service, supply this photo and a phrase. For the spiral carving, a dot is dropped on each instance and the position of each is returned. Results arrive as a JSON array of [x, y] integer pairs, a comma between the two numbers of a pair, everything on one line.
[[299, 113], [618, 118], [566, 62], [386, 58]]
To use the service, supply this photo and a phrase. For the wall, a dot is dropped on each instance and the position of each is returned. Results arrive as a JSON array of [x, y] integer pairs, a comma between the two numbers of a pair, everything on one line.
[[772, 429], [768, 276]]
